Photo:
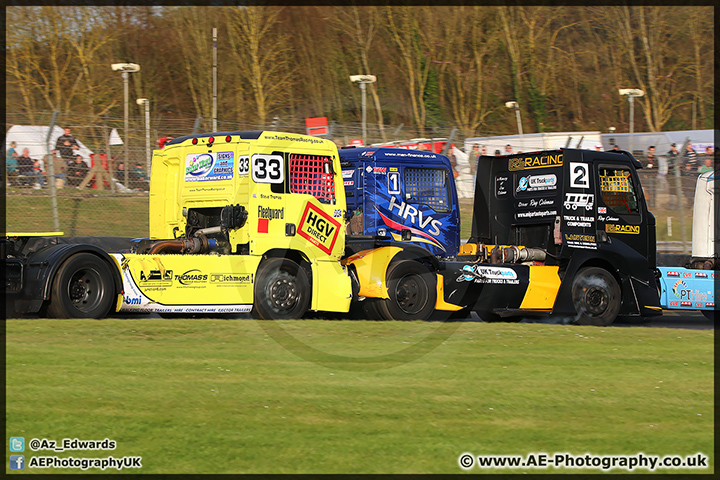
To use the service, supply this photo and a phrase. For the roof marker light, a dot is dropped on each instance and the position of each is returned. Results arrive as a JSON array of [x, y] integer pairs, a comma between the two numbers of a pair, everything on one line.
[[194, 141], [228, 138]]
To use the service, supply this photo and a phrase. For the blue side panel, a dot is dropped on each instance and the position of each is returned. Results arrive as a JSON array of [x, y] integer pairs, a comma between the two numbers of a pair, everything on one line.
[[684, 289], [400, 189]]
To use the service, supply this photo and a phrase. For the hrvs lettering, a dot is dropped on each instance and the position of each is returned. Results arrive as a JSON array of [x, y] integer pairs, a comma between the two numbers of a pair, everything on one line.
[[405, 210]]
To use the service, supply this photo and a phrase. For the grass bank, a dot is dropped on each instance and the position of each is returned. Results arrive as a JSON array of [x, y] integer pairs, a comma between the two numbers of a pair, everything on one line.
[[314, 396]]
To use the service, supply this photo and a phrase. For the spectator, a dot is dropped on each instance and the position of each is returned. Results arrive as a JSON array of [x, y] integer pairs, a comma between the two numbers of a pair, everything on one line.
[[671, 156], [508, 149], [651, 160], [59, 169], [483, 151], [497, 153], [66, 146], [120, 172], [77, 171], [25, 168], [598, 147], [138, 178], [11, 164], [38, 175], [689, 163], [709, 164], [615, 149]]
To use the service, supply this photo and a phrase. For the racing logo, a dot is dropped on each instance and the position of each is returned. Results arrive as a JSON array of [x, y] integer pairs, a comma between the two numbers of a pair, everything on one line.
[[537, 161], [319, 228], [630, 229]]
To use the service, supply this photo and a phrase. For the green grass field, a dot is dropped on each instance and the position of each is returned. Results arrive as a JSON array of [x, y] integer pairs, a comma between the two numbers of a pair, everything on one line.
[[316, 396], [97, 213]]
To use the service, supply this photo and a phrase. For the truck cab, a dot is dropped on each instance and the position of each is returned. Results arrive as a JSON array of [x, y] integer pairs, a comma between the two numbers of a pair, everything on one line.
[[562, 232], [402, 195], [242, 221]]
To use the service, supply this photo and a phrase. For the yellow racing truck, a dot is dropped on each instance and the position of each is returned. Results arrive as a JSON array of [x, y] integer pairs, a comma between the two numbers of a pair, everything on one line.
[[242, 221]]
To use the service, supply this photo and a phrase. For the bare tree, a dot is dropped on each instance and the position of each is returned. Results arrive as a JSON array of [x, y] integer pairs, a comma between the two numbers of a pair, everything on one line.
[[262, 51]]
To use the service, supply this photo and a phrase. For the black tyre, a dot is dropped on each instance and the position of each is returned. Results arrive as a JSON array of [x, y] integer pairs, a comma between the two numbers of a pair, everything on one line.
[[412, 291], [710, 314], [596, 296], [282, 290], [82, 288]]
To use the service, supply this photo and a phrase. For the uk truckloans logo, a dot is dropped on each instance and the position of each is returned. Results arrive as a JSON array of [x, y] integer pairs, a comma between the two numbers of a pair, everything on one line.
[[319, 228], [535, 183]]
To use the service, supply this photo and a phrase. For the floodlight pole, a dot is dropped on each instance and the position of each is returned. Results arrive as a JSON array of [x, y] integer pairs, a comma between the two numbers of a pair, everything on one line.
[[631, 93], [515, 104], [146, 102], [362, 80]]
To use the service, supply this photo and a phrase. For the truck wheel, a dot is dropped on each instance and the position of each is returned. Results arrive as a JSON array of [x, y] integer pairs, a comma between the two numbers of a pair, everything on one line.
[[596, 296], [709, 314], [282, 290], [411, 287], [82, 288]]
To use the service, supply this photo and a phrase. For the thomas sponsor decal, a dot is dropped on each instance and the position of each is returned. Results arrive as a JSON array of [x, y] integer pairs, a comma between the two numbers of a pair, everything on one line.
[[481, 274], [319, 228], [208, 167], [535, 161], [191, 277], [627, 229]]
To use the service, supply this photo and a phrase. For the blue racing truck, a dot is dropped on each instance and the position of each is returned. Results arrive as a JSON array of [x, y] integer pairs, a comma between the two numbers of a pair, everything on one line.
[[402, 195]]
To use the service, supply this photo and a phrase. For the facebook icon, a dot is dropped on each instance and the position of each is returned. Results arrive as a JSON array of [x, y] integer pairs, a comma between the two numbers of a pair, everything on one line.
[[17, 462]]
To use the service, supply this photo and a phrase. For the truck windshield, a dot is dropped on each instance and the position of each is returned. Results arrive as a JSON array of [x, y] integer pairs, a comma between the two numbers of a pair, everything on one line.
[[428, 186]]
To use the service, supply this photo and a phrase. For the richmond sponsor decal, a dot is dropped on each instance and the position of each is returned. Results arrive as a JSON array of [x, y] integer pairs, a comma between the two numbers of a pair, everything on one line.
[[231, 278], [535, 161], [481, 274], [319, 228], [627, 229]]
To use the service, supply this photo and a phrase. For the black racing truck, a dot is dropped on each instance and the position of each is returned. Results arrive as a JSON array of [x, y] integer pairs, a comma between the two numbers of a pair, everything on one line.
[[563, 232]]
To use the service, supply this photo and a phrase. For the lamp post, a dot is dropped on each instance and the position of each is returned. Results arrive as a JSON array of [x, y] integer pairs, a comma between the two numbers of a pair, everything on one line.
[[631, 93], [515, 104], [146, 102], [362, 80], [126, 69]]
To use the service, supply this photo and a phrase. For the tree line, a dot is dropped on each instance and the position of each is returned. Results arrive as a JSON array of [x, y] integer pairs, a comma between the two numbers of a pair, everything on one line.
[[435, 65]]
